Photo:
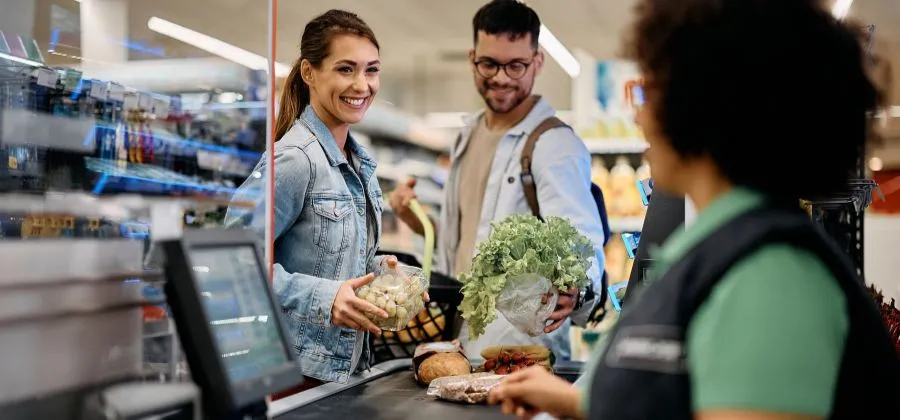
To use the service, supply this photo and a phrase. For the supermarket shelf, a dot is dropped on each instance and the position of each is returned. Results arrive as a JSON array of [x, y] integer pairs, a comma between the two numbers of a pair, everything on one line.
[[179, 146], [384, 119], [626, 224], [29, 128], [601, 146], [148, 179]]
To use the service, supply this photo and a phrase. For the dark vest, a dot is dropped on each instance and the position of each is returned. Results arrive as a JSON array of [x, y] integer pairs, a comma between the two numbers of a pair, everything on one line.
[[643, 373]]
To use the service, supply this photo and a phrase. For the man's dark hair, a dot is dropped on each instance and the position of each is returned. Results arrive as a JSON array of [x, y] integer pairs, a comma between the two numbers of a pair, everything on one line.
[[774, 91], [507, 17]]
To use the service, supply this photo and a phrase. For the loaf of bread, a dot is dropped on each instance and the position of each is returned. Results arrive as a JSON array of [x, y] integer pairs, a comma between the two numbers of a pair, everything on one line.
[[437, 360]]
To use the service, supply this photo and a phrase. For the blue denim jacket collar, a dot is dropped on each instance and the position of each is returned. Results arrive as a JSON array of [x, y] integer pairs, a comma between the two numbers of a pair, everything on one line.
[[323, 134]]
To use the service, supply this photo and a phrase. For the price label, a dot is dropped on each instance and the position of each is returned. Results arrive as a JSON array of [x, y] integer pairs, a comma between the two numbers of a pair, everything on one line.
[[116, 92], [161, 108], [47, 77], [130, 101], [98, 90], [167, 220], [145, 101]]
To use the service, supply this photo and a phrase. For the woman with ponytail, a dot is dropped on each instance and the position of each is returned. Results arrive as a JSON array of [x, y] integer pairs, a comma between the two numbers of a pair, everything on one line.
[[327, 198]]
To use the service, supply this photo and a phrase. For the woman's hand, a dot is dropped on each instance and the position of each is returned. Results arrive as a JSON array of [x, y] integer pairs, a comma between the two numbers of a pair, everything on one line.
[[535, 390], [350, 311]]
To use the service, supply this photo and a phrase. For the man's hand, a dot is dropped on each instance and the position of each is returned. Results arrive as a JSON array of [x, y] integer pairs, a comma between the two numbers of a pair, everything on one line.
[[350, 311], [399, 201], [535, 390], [565, 304]]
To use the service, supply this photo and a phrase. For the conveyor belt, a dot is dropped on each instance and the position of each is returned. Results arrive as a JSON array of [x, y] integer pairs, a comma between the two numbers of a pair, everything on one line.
[[395, 396], [388, 392]]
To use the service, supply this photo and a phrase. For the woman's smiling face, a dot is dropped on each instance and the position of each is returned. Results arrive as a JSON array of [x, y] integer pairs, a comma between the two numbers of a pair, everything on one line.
[[345, 84]]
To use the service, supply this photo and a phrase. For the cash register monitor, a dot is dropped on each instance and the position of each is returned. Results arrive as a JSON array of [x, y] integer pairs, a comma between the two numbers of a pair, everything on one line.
[[229, 323]]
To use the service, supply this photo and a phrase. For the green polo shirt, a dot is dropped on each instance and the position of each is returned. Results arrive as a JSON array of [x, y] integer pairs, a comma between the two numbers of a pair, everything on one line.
[[770, 337]]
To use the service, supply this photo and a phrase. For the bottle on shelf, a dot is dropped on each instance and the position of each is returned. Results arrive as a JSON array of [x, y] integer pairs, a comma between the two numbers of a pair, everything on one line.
[[600, 175], [625, 200]]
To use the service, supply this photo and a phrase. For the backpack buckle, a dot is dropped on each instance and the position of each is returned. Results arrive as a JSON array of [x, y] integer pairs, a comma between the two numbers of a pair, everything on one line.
[[527, 178]]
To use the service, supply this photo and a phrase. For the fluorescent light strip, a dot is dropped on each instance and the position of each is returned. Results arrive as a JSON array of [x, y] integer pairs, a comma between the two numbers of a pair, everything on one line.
[[559, 52], [21, 60], [215, 46], [841, 8]]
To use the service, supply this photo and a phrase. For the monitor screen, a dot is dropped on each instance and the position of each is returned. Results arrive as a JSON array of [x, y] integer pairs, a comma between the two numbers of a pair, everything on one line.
[[237, 304]]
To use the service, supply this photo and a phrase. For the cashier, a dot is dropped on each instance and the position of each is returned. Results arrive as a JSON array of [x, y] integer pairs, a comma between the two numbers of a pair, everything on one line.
[[753, 315]]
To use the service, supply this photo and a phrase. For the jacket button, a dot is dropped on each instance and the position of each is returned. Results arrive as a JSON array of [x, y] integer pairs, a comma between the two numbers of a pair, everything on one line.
[[510, 180], [360, 211]]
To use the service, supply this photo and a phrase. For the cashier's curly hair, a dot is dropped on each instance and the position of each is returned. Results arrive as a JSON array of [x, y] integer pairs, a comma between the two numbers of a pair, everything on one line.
[[774, 91], [315, 45]]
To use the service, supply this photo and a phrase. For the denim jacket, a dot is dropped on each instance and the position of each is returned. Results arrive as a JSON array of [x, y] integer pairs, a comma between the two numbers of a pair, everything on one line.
[[321, 239], [562, 171]]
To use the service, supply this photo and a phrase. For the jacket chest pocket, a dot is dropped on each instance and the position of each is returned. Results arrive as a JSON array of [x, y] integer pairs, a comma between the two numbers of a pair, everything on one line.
[[334, 223]]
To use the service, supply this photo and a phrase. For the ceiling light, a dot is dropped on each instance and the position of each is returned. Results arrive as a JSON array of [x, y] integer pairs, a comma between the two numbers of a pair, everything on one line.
[[841, 8], [876, 164], [215, 46], [559, 52]]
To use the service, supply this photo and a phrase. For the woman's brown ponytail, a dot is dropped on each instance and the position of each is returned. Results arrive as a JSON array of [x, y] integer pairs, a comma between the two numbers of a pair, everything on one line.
[[314, 47], [294, 98]]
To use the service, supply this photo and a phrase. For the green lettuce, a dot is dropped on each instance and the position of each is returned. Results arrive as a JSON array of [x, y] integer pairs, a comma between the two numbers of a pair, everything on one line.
[[522, 244]]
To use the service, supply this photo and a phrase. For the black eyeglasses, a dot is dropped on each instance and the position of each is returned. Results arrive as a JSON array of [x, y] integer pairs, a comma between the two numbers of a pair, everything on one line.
[[488, 68]]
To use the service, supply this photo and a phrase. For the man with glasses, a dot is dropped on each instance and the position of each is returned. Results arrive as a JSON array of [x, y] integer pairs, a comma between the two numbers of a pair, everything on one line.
[[486, 182]]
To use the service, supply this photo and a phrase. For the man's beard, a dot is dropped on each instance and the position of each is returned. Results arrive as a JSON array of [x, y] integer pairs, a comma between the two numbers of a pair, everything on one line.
[[520, 94]]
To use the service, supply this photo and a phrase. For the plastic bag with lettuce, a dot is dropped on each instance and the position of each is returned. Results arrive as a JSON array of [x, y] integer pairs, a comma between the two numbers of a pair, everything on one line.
[[519, 271]]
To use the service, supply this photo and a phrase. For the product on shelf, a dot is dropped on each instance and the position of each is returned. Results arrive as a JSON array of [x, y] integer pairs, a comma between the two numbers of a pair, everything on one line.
[[616, 258], [624, 199], [600, 176], [609, 127]]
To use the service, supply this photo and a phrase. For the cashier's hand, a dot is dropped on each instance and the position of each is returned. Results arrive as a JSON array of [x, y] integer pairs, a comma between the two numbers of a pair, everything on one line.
[[349, 311], [531, 391], [565, 304]]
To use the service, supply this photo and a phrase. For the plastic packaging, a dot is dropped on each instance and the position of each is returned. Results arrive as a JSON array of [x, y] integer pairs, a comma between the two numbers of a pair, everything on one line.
[[526, 302], [432, 361], [399, 292], [472, 389]]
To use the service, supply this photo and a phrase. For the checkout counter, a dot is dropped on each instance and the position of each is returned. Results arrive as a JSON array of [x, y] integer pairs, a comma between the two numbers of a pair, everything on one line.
[[387, 391], [232, 335]]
